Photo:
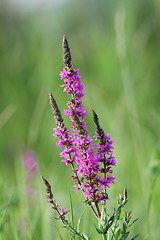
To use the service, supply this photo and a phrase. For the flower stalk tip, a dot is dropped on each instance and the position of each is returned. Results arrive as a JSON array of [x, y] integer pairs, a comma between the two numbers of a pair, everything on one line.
[[60, 211], [56, 112], [96, 121], [49, 193], [66, 53], [125, 195]]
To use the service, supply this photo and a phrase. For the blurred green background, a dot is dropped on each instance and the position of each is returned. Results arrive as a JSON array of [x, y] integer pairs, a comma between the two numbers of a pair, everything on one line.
[[116, 46]]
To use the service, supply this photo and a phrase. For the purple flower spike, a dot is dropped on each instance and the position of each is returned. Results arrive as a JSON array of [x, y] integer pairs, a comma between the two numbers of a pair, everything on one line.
[[91, 162]]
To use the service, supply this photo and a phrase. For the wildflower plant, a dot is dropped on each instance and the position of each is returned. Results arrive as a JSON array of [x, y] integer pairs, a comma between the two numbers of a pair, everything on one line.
[[91, 159]]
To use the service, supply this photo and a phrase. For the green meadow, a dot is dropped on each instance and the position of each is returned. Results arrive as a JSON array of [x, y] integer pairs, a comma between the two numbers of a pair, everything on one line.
[[116, 46]]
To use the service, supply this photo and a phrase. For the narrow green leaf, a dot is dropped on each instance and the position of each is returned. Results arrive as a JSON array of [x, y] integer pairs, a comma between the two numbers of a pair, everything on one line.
[[118, 233], [135, 237], [133, 222], [124, 237], [71, 209], [79, 220]]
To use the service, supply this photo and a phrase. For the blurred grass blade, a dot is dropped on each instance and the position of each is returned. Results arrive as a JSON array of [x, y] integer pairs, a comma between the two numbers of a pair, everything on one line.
[[7, 114], [36, 116]]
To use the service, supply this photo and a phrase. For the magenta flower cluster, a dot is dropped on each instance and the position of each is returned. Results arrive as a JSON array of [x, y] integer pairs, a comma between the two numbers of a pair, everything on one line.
[[30, 164], [91, 161]]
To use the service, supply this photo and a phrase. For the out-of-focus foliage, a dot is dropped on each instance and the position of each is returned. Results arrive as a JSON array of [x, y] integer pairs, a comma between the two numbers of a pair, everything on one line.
[[116, 46]]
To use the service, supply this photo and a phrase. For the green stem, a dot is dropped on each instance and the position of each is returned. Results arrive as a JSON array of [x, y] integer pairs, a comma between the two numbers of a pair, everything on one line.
[[104, 237], [113, 230], [72, 229], [97, 207]]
